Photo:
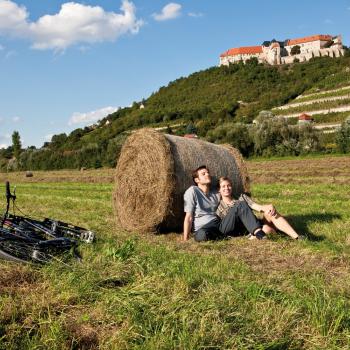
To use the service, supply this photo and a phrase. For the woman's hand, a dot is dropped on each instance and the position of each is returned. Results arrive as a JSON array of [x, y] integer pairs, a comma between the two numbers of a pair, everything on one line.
[[269, 209]]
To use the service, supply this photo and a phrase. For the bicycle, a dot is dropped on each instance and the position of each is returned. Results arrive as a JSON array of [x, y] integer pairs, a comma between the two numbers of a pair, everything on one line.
[[25, 239]]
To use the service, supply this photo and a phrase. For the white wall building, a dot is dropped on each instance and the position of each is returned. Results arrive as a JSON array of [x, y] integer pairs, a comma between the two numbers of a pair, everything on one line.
[[281, 52]]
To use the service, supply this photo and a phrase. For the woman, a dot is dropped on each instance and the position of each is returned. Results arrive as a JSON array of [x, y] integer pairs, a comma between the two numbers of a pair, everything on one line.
[[272, 220]]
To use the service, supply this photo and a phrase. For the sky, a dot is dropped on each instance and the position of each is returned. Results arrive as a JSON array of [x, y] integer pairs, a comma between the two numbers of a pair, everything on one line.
[[65, 65]]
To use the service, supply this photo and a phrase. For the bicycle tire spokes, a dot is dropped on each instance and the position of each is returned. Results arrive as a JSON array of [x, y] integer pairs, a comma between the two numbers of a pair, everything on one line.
[[25, 250], [50, 227], [21, 229]]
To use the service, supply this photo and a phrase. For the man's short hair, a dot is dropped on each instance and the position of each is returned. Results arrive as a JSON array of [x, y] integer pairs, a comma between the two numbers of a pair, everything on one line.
[[195, 172]]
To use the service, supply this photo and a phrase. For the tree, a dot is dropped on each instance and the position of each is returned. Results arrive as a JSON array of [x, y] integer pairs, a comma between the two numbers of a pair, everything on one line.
[[343, 137], [16, 143], [295, 50], [58, 140], [239, 137]]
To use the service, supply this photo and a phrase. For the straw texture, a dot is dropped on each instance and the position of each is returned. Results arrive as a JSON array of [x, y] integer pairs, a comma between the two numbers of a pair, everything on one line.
[[154, 170]]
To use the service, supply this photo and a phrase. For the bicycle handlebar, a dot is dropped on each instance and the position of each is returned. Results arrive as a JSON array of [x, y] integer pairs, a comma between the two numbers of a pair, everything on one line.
[[8, 192], [9, 196]]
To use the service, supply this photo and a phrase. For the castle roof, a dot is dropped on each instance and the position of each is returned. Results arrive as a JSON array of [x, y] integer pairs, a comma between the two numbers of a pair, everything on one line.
[[242, 51], [308, 39]]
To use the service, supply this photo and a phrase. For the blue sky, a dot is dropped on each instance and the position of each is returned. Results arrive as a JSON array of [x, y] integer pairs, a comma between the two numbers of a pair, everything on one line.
[[63, 65]]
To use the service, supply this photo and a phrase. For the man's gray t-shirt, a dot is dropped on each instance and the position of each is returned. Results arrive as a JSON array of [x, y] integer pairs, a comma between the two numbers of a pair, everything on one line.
[[202, 206]]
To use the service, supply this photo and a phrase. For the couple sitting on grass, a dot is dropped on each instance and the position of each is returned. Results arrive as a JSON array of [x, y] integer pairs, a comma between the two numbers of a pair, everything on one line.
[[216, 214]]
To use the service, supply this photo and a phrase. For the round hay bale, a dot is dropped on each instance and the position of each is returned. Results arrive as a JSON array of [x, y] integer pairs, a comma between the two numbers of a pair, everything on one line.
[[29, 174], [154, 171]]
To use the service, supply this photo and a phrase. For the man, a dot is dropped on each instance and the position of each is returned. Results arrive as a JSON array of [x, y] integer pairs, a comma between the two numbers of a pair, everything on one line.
[[200, 204]]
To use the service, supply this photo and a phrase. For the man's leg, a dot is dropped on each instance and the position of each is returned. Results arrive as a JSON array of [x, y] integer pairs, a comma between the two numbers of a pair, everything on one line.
[[208, 232], [240, 211]]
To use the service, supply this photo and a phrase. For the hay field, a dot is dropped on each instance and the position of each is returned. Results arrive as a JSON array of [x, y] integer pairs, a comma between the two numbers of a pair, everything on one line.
[[156, 292]]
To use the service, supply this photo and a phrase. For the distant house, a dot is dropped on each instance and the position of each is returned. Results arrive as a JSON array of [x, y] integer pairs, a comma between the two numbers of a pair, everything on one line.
[[281, 52], [191, 136], [305, 119]]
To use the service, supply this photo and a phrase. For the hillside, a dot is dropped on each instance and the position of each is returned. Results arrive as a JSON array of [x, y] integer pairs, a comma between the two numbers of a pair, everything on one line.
[[213, 102], [329, 106]]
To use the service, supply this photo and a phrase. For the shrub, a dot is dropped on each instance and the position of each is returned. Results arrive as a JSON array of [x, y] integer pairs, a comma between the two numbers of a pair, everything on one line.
[[343, 136], [274, 136]]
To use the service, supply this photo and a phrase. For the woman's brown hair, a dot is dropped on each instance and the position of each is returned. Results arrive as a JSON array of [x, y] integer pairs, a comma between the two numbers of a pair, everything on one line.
[[222, 179]]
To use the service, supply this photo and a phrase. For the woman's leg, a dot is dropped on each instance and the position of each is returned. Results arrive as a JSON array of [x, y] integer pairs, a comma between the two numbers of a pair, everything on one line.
[[268, 227], [280, 223]]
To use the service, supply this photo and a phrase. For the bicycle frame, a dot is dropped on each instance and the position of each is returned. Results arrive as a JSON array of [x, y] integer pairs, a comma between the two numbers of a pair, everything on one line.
[[25, 239]]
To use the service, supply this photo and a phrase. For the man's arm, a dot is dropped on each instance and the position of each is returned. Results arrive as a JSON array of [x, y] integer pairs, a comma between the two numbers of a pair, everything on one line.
[[187, 225]]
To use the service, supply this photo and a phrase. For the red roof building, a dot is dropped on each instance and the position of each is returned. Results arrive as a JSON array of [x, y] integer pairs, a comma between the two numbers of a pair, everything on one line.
[[305, 118], [191, 136], [282, 52], [245, 50], [309, 39]]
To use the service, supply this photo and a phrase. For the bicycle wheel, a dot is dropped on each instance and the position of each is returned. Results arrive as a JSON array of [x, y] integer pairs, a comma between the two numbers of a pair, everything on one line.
[[18, 250], [24, 249]]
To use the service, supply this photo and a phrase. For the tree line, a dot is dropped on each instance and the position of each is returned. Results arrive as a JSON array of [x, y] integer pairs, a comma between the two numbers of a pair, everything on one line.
[[220, 103]]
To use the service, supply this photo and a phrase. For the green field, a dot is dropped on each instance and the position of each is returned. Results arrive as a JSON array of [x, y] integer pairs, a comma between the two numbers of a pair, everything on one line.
[[144, 291]]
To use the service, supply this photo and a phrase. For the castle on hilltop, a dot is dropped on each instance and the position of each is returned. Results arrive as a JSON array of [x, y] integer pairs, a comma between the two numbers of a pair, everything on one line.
[[282, 52]]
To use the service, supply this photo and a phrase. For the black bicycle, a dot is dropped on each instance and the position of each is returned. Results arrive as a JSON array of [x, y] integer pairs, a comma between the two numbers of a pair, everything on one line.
[[25, 239]]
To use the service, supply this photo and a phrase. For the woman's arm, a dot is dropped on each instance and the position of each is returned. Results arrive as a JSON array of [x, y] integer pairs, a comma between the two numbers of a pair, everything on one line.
[[267, 209], [251, 203]]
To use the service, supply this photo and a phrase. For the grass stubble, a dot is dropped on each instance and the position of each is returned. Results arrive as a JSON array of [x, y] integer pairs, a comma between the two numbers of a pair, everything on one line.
[[141, 291]]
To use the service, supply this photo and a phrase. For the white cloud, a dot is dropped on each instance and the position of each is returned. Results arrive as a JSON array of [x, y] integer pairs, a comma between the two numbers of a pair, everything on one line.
[[90, 117], [4, 140], [194, 14], [13, 18], [74, 23], [16, 119], [170, 11], [328, 21], [1, 47]]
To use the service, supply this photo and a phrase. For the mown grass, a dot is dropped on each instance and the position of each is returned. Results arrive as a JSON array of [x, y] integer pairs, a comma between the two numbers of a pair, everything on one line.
[[141, 291]]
